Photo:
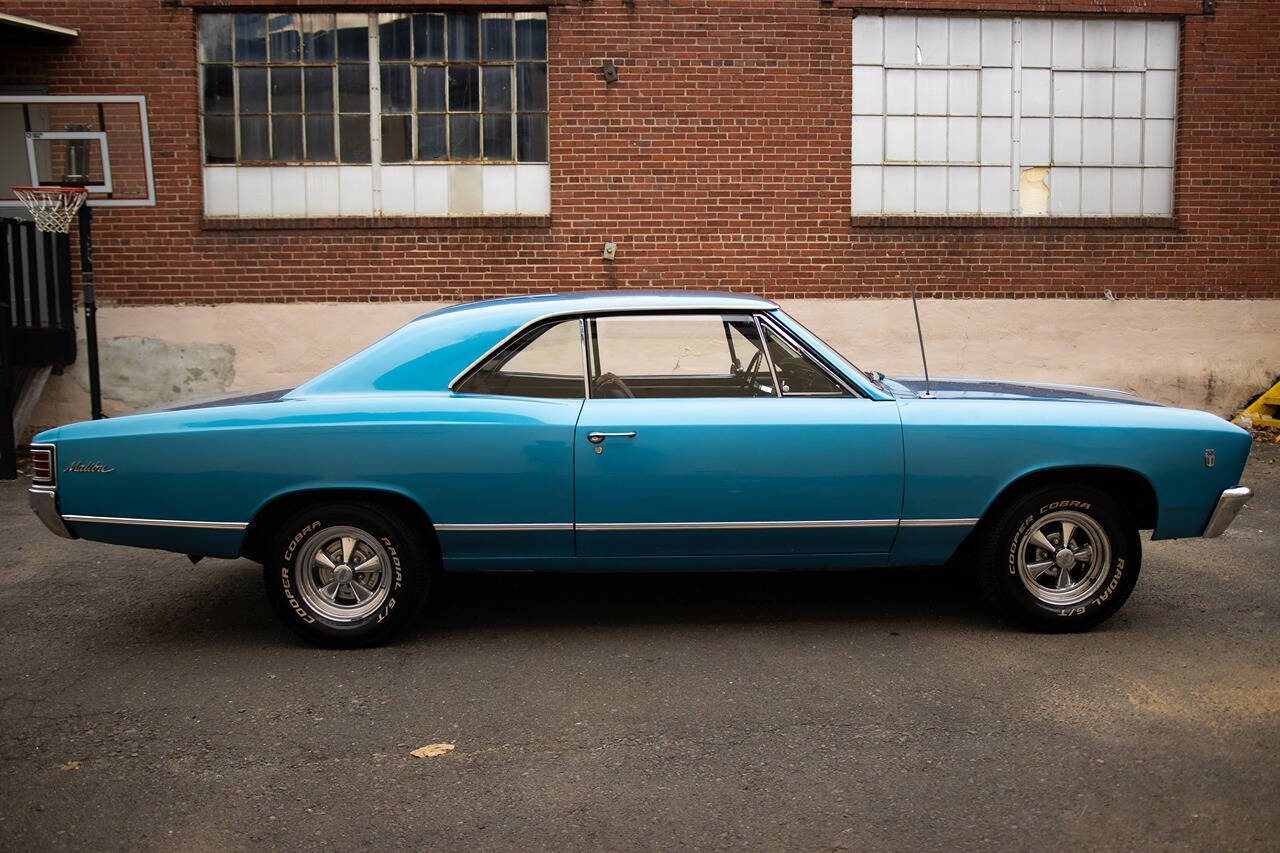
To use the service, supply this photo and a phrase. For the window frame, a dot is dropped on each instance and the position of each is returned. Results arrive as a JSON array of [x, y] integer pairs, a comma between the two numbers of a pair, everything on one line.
[[515, 344], [374, 115], [446, 112], [591, 344], [1078, 183], [590, 354], [268, 64]]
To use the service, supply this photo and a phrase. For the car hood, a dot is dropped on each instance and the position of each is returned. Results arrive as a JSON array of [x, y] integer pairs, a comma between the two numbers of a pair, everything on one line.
[[1000, 389]]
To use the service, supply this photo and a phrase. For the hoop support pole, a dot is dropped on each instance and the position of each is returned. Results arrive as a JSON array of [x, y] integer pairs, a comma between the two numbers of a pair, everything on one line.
[[8, 441], [90, 311]]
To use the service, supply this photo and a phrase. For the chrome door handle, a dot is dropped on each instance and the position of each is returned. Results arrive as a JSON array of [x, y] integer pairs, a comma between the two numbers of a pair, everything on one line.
[[599, 437]]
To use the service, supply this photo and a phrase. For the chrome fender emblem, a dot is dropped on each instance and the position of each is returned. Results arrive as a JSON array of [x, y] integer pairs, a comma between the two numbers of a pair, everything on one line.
[[1209, 458], [87, 468]]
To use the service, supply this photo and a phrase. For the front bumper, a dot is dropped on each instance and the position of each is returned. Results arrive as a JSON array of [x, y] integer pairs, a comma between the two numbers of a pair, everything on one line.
[[44, 502], [1229, 505]]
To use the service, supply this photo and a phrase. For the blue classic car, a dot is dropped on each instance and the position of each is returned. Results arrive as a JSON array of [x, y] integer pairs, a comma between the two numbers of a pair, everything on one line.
[[642, 432]]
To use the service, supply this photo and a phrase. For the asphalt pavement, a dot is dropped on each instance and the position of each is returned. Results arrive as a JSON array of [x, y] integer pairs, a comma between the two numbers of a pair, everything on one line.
[[148, 704]]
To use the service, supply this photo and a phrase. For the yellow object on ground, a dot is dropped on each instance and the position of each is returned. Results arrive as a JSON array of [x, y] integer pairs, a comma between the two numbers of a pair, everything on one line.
[[1265, 411]]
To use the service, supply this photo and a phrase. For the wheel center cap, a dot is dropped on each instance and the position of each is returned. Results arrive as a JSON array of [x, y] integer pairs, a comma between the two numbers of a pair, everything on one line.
[[1065, 559], [343, 574]]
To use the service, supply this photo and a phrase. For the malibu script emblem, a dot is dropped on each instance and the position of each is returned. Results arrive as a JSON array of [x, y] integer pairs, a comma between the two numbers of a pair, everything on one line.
[[87, 468]]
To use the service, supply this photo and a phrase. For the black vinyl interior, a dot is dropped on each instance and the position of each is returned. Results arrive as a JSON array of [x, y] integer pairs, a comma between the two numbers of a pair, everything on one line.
[[683, 386]]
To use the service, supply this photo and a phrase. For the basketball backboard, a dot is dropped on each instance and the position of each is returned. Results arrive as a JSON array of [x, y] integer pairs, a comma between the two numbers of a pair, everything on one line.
[[102, 141]]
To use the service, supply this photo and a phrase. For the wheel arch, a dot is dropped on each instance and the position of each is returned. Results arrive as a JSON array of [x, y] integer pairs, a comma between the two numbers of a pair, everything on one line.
[[1131, 488], [276, 510]]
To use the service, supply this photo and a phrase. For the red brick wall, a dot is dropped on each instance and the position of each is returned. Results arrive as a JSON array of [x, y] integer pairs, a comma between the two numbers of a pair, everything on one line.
[[720, 159]]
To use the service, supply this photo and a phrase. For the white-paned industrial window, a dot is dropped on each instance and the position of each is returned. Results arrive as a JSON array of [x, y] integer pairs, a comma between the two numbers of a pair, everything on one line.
[[367, 114], [1013, 116]]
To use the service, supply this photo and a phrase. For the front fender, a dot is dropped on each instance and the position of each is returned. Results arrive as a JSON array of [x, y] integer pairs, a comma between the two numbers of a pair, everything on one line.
[[962, 454]]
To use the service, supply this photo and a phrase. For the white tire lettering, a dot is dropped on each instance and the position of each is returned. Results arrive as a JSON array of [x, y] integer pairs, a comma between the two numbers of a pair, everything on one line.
[[293, 602], [297, 540], [1115, 581], [1064, 505]]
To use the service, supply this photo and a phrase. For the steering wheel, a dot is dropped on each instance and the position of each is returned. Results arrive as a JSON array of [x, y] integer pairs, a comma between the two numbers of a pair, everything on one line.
[[748, 381], [609, 386]]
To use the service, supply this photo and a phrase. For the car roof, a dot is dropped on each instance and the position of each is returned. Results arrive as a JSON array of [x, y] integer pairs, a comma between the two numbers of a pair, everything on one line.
[[428, 353], [588, 302]]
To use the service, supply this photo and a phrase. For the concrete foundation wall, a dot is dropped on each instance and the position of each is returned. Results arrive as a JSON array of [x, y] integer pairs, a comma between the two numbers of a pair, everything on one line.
[[1210, 355]]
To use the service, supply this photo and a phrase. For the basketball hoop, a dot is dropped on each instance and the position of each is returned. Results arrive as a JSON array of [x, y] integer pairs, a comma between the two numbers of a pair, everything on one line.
[[53, 208]]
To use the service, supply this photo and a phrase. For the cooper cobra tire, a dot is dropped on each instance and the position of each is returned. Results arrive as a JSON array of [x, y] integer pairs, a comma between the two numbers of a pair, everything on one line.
[[346, 575], [1060, 558]]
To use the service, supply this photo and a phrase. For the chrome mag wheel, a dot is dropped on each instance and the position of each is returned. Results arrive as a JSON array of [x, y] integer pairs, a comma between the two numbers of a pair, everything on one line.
[[343, 573], [1063, 559]]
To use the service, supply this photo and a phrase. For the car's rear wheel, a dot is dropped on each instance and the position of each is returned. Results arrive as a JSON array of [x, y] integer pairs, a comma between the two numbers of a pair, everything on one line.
[[347, 574], [1060, 558]]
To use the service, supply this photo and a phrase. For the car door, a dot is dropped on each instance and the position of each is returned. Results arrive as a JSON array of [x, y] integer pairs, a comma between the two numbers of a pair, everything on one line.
[[502, 479], [688, 445]]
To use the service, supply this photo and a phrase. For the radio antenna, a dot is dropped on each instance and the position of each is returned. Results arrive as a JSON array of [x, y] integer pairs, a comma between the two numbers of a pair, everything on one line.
[[928, 394]]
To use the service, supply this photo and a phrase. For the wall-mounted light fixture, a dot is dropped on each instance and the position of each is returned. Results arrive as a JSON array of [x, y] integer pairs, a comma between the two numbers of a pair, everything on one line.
[[610, 251]]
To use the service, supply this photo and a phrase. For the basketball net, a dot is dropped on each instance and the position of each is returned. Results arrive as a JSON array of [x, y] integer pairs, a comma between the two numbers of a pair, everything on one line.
[[53, 208]]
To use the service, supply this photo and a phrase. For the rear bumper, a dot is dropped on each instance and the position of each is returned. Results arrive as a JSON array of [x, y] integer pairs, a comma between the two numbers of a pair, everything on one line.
[[44, 502], [1229, 505]]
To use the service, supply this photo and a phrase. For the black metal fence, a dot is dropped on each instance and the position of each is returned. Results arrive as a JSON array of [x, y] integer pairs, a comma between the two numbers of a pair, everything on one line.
[[37, 324]]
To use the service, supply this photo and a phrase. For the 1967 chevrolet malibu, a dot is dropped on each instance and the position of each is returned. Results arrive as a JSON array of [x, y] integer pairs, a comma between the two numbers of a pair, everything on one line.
[[642, 432]]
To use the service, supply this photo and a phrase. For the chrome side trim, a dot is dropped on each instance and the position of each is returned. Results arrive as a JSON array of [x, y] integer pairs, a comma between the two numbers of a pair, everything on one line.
[[737, 525], [158, 522], [501, 528], [938, 522], [44, 503], [605, 527], [694, 307], [1230, 502]]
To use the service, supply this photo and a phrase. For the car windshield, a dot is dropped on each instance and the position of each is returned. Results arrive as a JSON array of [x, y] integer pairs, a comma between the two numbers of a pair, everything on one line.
[[841, 363]]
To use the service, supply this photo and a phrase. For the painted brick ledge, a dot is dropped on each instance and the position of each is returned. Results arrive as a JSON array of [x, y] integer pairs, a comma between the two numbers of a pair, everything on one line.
[[210, 5], [369, 223], [1161, 223], [1030, 7]]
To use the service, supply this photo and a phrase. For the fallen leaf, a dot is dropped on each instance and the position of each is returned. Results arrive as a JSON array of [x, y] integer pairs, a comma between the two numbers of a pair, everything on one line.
[[431, 750], [75, 765]]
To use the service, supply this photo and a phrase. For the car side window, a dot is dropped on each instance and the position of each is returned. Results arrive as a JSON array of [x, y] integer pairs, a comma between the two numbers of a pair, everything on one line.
[[798, 373], [546, 361], [677, 355]]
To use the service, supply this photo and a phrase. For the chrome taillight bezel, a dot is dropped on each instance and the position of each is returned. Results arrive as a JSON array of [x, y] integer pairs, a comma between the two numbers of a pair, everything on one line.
[[51, 454]]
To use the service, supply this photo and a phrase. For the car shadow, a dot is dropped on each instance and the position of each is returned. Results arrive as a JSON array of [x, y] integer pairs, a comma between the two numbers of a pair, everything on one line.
[[223, 602], [938, 595]]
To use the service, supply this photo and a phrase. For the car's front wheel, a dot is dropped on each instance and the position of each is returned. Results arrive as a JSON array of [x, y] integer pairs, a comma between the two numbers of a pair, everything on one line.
[[1060, 558], [347, 574]]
